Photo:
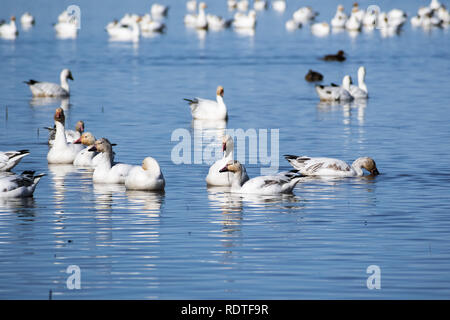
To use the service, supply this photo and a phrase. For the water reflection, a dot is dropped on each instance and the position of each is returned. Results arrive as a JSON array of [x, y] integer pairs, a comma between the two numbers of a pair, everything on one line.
[[146, 201], [64, 103], [58, 176], [105, 194], [346, 109], [17, 204]]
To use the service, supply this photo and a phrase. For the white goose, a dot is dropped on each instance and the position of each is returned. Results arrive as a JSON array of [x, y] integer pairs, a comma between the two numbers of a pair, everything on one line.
[[279, 5], [9, 159], [242, 5], [214, 177], [245, 21], [125, 32], [27, 20], [67, 27], [320, 29], [217, 22], [106, 171], [332, 167], [9, 30], [339, 18], [360, 91], [353, 23], [86, 158], [191, 5], [335, 93], [304, 15], [147, 177], [62, 152], [260, 5], [147, 24], [201, 22], [71, 135], [19, 185], [159, 10], [281, 183], [50, 89], [205, 109]]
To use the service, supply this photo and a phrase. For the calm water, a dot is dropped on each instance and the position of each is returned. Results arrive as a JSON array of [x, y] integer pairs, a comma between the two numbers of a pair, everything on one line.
[[199, 243]]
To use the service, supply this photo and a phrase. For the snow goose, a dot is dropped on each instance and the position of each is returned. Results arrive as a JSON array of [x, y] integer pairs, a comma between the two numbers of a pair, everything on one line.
[[147, 177], [217, 22], [86, 158], [370, 19], [353, 23], [49, 89], [339, 18], [260, 5], [208, 109], [62, 152], [66, 29], [332, 167], [313, 76], [335, 93], [191, 5], [231, 4], [106, 171], [320, 29], [245, 21], [281, 183], [9, 159], [357, 12], [242, 5], [214, 177], [9, 30], [159, 10], [201, 22], [125, 32], [435, 4], [304, 15], [27, 20], [71, 135], [360, 91], [147, 24], [19, 185], [339, 56], [279, 5]]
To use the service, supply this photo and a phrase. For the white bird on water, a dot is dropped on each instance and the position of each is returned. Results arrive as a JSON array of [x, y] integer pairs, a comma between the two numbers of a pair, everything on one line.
[[19, 185], [205, 109], [9, 159], [50, 89]]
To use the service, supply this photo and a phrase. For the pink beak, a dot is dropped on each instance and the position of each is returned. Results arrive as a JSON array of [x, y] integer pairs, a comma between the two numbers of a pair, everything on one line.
[[224, 169], [77, 141], [224, 146]]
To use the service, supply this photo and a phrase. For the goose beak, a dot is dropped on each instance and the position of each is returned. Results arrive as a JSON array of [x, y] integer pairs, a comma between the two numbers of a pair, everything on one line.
[[70, 76], [93, 148], [78, 141], [224, 169], [375, 172], [224, 146]]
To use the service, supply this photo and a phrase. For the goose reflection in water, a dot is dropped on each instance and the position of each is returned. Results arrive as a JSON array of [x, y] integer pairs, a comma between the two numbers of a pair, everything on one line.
[[146, 201], [106, 194], [64, 103], [359, 105], [58, 174]]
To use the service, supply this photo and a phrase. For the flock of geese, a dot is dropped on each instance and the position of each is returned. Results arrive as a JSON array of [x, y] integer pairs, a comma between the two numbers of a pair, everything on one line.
[[82, 149], [131, 26]]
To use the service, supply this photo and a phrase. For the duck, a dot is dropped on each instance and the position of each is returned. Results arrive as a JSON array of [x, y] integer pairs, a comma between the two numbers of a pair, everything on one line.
[[260, 5], [279, 5], [86, 158], [334, 92], [339, 56], [106, 170], [27, 20], [159, 10], [339, 18], [281, 183], [9, 30], [9, 159], [245, 21], [19, 185], [147, 177], [331, 167], [62, 152], [320, 29], [360, 91], [205, 109], [313, 76], [214, 177], [71, 135], [50, 89]]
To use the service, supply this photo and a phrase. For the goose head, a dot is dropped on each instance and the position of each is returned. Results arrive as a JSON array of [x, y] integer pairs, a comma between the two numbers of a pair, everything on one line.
[[368, 164], [202, 5], [13, 18], [232, 166], [227, 143], [66, 74], [59, 116], [102, 145], [86, 139], [220, 91], [79, 127], [340, 8]]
